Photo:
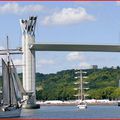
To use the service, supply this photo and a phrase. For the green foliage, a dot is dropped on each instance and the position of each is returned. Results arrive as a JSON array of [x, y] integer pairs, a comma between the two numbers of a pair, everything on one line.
[[102, 93], [116, 94], [57, 86], [103, 84]]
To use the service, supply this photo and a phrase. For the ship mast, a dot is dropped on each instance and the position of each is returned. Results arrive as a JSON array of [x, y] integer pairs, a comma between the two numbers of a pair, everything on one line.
[[8, 66], [81, 86]]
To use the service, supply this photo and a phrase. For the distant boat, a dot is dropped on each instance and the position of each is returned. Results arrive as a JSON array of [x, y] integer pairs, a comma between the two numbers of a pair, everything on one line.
[[12, 91], [82, 105]]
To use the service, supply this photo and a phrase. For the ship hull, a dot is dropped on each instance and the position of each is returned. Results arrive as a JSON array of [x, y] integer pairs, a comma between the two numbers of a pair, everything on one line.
[[11, 114], [82, 106]]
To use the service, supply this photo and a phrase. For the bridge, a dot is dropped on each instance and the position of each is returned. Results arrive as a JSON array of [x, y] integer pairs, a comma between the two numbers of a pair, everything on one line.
[[29, 47]]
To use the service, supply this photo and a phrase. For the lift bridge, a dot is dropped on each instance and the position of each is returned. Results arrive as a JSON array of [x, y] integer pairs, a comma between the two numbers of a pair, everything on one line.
[[29, 47]]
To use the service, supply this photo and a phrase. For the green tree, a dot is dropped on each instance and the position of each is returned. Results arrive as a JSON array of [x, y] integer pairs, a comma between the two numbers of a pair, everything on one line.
[[116, 94]]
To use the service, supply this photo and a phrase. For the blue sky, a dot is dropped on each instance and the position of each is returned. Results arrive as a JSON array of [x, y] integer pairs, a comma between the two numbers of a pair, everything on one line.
[[64, 22]]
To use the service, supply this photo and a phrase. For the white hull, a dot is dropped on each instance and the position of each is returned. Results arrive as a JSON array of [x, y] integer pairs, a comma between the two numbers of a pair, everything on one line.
[[10, 114], [82, 106]]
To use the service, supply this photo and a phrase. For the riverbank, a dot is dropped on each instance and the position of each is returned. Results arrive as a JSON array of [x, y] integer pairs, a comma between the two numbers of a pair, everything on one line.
[[75, 102]]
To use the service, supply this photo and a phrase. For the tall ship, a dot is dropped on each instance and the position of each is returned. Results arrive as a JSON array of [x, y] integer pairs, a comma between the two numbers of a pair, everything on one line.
[[12, 90], [81, 95]]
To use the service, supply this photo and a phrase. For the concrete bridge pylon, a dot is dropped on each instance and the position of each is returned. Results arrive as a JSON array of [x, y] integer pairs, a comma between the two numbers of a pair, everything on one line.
[[28, 57]]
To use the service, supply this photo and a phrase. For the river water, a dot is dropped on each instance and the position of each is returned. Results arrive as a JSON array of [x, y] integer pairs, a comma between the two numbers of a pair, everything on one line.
[[72, 112]]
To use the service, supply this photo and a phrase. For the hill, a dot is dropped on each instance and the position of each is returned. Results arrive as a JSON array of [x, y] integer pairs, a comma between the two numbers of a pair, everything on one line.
[[103, 84]]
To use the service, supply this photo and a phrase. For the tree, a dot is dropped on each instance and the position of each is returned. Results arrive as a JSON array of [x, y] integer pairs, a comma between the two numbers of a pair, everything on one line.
[[116, 94]]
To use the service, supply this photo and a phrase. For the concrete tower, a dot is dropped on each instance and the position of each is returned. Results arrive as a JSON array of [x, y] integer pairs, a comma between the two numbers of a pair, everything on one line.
[[29, 66]]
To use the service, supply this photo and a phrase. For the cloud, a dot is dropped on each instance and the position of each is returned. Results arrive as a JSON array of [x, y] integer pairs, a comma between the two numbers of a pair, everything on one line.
[[84, 65], [46, 62], [18, 9], [68, 16], [79, 57], [75, 56]]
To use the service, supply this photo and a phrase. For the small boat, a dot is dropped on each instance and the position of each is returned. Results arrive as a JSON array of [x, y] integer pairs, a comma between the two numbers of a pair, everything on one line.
[[12, 91], [82, 105]]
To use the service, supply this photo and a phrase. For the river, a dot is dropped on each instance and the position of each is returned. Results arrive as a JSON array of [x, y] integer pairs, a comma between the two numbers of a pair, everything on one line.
[[72, 112]]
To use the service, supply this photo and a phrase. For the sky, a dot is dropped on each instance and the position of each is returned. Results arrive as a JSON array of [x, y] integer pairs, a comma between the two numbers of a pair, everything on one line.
[[64, 22]]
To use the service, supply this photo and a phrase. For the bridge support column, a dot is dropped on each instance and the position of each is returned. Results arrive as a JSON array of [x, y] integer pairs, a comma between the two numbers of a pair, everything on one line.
[[29, 65]]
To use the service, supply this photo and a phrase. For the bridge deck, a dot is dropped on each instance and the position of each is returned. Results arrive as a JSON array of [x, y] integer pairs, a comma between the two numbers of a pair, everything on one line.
[[75, 47]]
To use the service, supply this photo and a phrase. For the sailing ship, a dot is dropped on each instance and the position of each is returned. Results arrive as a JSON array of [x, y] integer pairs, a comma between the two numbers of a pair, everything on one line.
[[82, 104], [12, 91]]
